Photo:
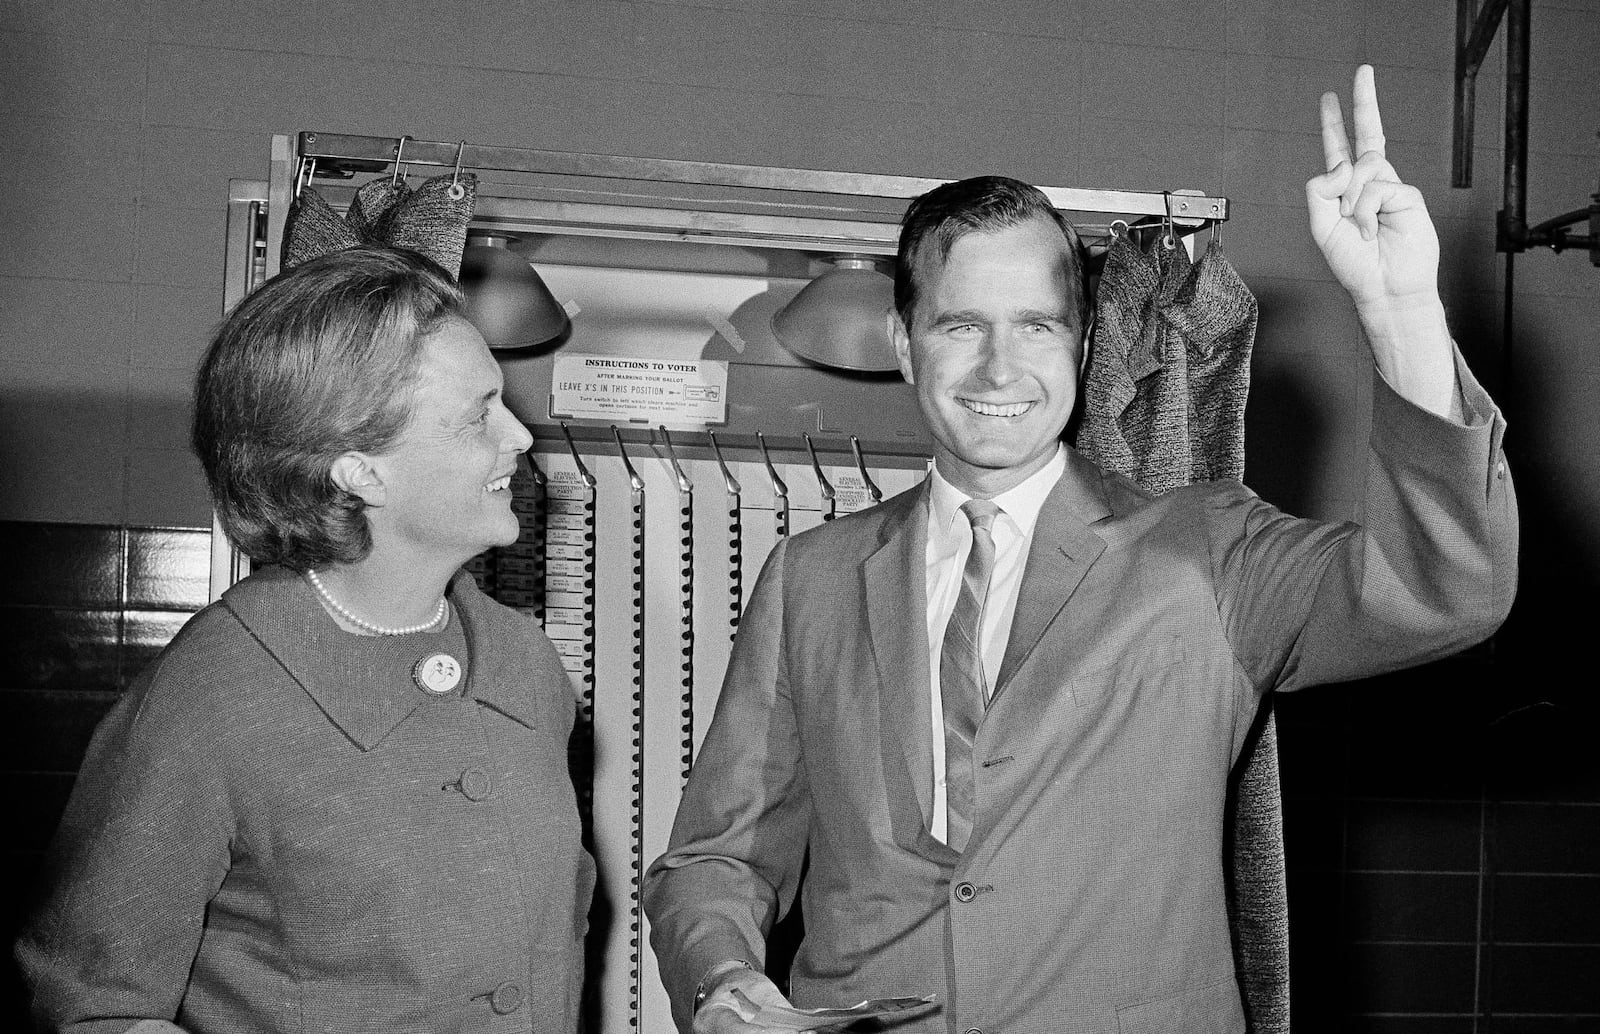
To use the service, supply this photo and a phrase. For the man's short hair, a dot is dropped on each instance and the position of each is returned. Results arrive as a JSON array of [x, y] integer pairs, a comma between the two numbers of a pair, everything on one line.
[[982, 204], [319, 361]]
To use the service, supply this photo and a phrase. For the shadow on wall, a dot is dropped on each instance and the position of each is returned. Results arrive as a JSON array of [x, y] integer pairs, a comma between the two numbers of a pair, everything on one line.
[[1283, 431], [1545, 717], [1550, 633], [70, 453]]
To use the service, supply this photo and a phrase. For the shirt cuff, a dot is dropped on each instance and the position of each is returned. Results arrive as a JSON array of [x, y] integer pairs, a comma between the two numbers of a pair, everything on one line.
[[715, 973]]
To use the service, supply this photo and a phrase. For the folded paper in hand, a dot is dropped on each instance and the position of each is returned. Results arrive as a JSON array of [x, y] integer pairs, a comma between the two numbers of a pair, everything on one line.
[[781, 1018]]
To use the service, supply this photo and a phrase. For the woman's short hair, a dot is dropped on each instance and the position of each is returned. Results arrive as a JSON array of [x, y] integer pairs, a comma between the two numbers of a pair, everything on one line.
[[982, 204], [316, 362]]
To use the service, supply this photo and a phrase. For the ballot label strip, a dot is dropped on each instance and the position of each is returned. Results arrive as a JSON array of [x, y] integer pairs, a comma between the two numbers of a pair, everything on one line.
[[686, 623], [636, 502]]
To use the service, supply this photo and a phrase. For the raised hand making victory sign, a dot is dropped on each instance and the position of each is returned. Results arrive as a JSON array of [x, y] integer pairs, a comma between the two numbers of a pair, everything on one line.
[[1377, 237]]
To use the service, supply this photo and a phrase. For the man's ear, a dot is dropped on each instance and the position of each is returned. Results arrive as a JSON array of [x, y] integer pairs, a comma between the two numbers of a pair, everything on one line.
[[354, 472], [902, 344]]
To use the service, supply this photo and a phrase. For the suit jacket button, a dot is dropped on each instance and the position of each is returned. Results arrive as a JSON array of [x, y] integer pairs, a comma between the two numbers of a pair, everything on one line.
[[475, 784], [506, 998], [973, 1030], [966, 892]]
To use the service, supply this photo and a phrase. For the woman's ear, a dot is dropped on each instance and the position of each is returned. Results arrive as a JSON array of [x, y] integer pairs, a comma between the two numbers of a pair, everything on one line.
[[353, 472], [1085, 344]]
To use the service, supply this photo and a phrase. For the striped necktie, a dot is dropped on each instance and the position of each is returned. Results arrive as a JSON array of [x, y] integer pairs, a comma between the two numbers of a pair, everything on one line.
[[962, 685]]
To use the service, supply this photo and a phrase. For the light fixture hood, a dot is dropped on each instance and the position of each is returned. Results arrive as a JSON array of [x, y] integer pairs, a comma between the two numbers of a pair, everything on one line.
[[840, 318], [507, 300]]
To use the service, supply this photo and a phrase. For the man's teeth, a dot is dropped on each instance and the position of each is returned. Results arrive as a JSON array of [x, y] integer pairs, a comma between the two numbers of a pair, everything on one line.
[[498, 483], [997, 409]]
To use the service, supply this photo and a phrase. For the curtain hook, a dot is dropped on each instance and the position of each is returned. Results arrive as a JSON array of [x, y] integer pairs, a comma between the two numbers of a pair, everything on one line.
[[302, 178], [1169, 239], [457, 191], [399, 151]]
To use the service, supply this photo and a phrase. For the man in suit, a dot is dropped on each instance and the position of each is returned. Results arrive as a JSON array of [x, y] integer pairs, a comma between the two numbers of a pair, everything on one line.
[[993, 718]]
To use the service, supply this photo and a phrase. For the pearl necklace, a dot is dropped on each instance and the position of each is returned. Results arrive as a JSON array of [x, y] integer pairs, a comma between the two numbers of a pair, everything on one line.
[[437, 621]]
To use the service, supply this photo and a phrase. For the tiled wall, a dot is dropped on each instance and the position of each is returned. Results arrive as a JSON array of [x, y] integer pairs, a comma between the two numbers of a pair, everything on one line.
[[85, 608], [1444, 825], [1444, 856]]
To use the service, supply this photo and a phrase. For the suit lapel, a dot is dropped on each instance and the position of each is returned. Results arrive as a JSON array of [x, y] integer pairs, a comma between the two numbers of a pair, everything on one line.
[[1062, 551], [895, 589]]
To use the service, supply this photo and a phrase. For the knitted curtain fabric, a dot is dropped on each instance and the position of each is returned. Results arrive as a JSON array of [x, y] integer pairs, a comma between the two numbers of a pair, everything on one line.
[[1169, 370], [1164, 398], [432, 219], [1136, 389]]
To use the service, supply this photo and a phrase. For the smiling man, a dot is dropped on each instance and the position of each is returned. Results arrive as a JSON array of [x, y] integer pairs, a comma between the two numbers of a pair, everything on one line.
[[992, 719], [994, 336]]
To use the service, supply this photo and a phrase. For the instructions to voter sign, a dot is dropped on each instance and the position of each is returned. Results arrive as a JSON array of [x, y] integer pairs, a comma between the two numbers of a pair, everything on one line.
[[685, 392]]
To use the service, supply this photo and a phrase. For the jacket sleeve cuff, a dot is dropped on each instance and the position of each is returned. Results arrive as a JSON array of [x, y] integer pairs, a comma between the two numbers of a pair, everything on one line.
[[1400, 426]]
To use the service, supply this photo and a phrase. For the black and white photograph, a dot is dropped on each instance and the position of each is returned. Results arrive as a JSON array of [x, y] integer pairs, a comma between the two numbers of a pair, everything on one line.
[[751, 516]]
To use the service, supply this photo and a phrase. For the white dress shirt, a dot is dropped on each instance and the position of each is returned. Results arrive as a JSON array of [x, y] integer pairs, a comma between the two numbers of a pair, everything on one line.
[[949, 542]]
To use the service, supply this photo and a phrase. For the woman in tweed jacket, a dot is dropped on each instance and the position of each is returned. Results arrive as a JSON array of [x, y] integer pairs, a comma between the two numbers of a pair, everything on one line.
[[339, 800]]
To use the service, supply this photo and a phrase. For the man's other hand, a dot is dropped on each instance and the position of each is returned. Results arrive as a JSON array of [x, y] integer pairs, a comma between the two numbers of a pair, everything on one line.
[[725, 1012]]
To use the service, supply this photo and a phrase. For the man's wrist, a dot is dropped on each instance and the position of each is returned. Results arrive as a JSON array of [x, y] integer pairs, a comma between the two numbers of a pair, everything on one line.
[[1402, 322], [1413, 350], [713, 979]]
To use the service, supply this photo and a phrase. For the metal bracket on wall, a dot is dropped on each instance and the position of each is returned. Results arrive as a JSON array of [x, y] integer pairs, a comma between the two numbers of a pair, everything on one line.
[[1475, 30]]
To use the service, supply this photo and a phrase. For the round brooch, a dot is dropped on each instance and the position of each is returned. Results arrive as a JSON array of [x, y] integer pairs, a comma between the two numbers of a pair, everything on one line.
[[437, 673]]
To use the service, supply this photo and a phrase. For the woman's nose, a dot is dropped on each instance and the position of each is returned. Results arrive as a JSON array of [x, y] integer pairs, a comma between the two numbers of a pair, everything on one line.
[[518, 438]]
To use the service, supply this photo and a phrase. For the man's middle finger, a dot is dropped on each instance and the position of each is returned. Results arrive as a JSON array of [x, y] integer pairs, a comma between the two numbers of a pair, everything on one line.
[[1368, 119]]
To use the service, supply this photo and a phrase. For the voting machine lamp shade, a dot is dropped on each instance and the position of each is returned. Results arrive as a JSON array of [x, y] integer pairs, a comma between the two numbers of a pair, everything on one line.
[[840, 318], [507, 300]]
